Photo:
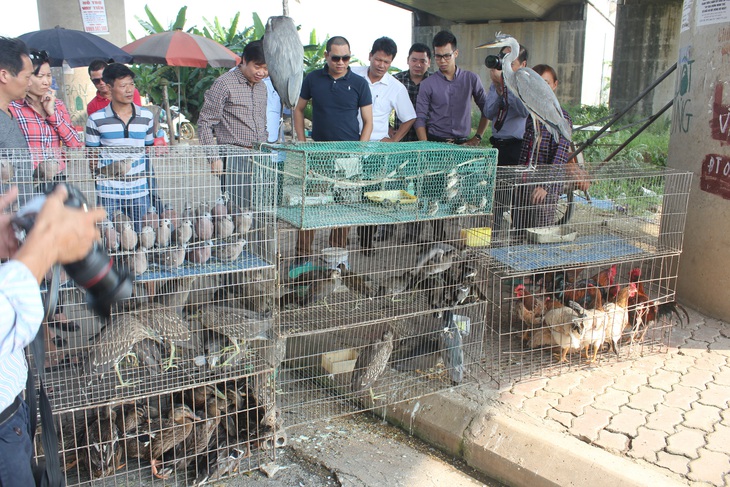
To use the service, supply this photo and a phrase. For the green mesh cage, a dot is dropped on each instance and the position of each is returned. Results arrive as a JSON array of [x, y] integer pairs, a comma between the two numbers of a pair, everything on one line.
[[330, 184]]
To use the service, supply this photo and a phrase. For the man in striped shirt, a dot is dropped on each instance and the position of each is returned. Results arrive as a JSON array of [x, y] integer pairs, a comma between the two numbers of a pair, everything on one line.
[[121, 130], [234, 113]]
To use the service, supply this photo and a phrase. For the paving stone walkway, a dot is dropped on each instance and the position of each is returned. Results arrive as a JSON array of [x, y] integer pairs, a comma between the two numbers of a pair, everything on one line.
[[668, 409]]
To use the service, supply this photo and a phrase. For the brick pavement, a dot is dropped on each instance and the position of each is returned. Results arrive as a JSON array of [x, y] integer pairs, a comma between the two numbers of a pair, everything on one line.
[[670, 410]]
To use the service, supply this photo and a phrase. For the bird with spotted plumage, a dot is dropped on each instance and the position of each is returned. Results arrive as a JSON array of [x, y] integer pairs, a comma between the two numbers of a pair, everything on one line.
[[371, 362]]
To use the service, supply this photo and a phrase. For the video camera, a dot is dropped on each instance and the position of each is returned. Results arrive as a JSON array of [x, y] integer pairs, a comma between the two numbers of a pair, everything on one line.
[[95, 273]]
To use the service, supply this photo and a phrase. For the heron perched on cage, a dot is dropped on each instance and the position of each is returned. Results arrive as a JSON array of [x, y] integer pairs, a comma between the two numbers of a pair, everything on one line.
[[531, 89], [285, 59]]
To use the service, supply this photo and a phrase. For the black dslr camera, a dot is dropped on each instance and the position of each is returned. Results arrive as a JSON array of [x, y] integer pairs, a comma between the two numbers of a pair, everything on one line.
[[494, 62], [95, 273]]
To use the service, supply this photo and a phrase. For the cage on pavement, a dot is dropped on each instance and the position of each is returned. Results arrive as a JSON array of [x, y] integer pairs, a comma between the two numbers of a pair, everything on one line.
[[630, 212], [331, 184], [195, 435], [602, 284], [378, 363]]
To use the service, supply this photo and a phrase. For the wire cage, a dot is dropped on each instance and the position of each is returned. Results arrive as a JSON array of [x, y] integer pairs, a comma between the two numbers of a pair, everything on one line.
[[326, 184], [192, 436], [372, 365], [384, 272], [543, 323], [630, 213]]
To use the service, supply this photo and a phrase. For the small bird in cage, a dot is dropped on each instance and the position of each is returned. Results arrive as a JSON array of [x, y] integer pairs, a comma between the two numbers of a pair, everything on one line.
[[395, 285], [164, 233], [357, 283], [137, 262], [229, 249], [219, 208], [129, 418], [147, 237], [163, 434], [110, 236], [199, 252], [128, 237], [318, 289], [7, 170], [105, 451], [170, 257], [224, 226], [47, 169], [203, 226], [119, 218], [116, 169], [436, 259], [168, 211], [243, 220], [151, 218], [183, 232], [371, 362]]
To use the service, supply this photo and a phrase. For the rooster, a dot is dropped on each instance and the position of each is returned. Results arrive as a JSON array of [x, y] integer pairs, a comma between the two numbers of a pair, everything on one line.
[[618, 316], [529, 308], [644, 312], [559, 321]]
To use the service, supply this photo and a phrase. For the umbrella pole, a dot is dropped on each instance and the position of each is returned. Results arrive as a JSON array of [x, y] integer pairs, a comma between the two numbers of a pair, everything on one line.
[[166, 106], [179, 105]]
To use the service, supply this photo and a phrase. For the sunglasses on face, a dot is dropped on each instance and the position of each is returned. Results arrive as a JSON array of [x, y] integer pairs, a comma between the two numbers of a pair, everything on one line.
[[39, 57], [97, 81], [337, 59]]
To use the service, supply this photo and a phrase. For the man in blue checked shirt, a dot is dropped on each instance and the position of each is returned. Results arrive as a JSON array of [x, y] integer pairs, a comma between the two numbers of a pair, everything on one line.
[[122, 130]]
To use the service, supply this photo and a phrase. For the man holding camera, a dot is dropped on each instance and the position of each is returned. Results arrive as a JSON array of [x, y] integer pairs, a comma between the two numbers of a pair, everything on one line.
[[505, 110]]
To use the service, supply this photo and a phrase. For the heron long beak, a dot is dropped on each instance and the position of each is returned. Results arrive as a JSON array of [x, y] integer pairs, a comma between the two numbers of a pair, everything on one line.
[[491, 45]]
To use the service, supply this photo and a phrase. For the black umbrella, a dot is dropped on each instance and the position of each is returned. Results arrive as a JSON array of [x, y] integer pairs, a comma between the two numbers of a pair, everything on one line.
[[76, 47]]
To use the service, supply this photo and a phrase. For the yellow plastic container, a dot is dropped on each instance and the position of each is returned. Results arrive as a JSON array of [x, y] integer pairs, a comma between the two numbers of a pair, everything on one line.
[[476, 237]]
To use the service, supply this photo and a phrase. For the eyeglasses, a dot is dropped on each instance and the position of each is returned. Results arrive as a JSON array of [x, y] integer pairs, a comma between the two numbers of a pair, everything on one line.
[[39, 57], [97, 81], [445, 57], [337, 59]]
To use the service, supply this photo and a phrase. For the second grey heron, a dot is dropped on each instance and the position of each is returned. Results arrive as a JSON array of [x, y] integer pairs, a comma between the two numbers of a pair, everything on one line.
[[534, 93], [284, 54]]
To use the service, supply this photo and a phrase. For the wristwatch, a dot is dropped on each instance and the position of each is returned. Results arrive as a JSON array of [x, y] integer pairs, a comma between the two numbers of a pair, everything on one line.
[[478, 136]]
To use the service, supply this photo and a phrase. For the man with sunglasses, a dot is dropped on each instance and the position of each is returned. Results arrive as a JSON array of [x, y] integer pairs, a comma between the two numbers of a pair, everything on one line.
[[103, 91], [338, 96]]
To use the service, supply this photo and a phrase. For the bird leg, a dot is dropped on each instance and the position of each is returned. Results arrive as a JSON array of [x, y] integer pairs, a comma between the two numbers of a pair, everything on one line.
[[236, 348], [563, 355], [170, 364], [122, 382], [537, 136], [374, 398]]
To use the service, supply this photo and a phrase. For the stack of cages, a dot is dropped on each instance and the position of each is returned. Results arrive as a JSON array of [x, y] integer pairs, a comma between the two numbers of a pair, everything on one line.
[[394, 308], [582, 271], [178, 381]]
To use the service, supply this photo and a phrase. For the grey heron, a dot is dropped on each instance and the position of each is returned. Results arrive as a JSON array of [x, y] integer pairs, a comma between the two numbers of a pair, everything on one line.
[[534, 93], [284, 54]]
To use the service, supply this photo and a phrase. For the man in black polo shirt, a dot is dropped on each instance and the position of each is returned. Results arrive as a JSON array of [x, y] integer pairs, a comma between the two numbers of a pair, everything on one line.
[[337, 95]]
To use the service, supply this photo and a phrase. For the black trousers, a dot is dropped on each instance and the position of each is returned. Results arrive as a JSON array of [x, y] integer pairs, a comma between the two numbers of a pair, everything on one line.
[[509, 150]]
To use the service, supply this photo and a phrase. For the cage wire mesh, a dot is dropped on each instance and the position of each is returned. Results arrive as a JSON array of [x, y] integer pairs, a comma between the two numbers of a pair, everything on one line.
[[624, 310], [201, 249], [631, 213], [191, 436], [326, 184], [375, 364], [400, 271]]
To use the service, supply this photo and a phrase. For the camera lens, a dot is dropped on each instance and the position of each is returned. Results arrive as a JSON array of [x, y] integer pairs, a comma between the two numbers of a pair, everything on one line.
[[493, 62]]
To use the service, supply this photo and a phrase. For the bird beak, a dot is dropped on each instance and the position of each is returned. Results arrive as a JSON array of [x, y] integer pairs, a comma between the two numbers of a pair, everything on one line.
[[490, 45]]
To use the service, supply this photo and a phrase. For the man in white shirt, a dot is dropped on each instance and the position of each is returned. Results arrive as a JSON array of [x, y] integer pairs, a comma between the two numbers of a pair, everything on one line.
[[388, 94]]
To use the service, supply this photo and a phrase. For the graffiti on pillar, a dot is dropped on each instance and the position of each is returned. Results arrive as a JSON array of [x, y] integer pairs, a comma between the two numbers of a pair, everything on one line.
[[682, 114], [720, 121], [715, 176]]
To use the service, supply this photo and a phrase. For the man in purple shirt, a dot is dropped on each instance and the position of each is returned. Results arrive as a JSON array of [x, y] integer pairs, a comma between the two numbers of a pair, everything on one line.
[[443, 107]]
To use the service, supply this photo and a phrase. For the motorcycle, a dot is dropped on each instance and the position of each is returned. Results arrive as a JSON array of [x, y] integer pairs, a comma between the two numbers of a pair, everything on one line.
[[184, 129]]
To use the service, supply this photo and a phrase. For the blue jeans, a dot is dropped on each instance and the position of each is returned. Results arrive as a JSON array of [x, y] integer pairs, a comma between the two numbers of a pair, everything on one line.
[[134, 208], [16, 450]]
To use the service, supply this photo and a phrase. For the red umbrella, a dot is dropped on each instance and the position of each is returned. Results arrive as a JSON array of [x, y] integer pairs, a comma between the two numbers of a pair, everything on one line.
[[178, 48]]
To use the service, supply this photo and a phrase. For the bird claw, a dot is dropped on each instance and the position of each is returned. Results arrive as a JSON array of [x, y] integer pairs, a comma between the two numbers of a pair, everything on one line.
[[123, 384]]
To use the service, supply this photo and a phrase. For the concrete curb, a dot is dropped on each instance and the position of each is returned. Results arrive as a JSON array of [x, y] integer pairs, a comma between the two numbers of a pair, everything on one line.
[[516, 450]]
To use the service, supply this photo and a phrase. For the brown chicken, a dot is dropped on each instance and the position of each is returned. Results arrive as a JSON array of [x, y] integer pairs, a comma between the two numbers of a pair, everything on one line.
[[643, 311], [529, 309]]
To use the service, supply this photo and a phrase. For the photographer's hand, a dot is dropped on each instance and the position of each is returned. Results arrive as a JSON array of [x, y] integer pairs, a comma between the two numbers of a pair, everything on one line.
[[8, 242], [60, 234]]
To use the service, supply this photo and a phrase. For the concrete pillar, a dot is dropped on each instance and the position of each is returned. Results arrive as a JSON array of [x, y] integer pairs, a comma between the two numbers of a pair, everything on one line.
[[645, 46], [74, 86], [699, 143]]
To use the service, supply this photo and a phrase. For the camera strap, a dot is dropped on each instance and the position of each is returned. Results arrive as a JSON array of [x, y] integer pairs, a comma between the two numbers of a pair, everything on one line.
[[50, 476]]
